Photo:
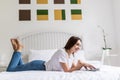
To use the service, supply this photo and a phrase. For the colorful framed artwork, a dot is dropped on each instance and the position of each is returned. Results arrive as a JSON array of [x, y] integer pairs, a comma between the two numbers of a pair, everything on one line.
[[24, 15], [59, 14], [76, 14], [42, 1], [75, 1], [42, 14], [24, 2], [59, 1]]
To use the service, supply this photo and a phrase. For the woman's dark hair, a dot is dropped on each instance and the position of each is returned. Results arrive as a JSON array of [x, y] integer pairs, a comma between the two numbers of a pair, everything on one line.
[[71, 42]]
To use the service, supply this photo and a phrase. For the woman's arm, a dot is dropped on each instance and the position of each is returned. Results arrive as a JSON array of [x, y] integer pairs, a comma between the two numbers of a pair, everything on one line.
[[78, 66], [73, 68]]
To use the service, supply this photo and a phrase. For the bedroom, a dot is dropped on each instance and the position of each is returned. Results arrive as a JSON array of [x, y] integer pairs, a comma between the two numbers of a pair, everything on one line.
[[94, 12]]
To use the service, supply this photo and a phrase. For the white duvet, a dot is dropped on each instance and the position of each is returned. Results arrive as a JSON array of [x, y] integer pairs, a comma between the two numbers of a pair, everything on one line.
[[105, 73]]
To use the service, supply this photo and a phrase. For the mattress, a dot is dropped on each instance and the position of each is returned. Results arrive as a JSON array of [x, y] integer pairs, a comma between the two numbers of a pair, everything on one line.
[[105, 73]]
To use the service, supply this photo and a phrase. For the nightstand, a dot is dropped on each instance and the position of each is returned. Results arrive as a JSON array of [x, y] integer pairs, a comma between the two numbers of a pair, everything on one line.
[[2, 68]]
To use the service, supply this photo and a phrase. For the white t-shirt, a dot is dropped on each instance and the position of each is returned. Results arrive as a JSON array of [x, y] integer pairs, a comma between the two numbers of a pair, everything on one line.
[[60, 56]]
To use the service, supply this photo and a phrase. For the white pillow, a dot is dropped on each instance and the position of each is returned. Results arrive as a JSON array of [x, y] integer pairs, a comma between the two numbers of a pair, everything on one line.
[[41, 54]]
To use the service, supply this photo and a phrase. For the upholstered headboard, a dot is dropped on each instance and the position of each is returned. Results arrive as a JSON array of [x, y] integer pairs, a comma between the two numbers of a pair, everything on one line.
[[44, 40]]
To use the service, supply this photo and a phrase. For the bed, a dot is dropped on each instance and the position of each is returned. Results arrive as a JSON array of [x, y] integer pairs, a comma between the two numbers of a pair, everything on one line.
[[42, 45]]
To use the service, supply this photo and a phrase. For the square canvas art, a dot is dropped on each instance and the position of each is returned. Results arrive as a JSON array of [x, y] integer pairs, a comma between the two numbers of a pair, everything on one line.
[[59, 1], [75, 1], [59, 14], [24, 15], [76, 14], [42, 14], [24, 1], [42, 1]]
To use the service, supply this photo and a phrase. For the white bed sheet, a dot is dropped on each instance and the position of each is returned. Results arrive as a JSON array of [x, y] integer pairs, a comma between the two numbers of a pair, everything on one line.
[[105, 73]]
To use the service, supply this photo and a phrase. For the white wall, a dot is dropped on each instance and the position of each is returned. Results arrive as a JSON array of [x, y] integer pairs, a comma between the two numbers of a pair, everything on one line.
[[95, 12], [116, 10]]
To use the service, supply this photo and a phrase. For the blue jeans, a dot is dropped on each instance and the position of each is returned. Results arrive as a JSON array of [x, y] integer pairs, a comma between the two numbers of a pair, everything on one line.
[[16, 64]]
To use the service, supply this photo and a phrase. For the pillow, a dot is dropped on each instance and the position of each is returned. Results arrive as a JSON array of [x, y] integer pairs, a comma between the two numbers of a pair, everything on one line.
[[41, 54]]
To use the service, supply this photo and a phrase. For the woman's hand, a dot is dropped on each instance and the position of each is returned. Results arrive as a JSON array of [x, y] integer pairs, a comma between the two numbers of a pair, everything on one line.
[[88, 66]]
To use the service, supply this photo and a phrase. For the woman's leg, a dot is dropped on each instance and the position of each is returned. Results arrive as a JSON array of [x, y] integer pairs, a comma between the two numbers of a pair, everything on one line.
[[34, 65], [37, 65], [17, 65], [21, 62], [15, 61]]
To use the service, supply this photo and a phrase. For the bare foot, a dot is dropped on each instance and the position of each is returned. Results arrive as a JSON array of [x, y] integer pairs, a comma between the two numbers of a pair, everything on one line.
[[14, 45], [19, 45]]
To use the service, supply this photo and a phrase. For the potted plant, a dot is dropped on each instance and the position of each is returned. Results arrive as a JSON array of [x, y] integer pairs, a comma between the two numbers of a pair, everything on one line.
[[105, 48]]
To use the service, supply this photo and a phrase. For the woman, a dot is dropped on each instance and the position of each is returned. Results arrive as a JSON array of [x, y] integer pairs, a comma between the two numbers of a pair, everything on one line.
[[62, 60]]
